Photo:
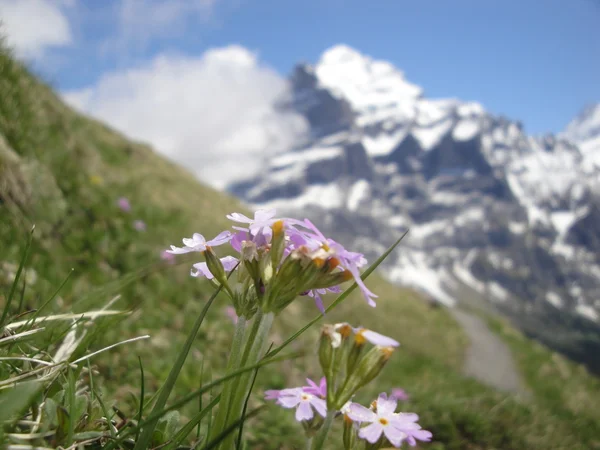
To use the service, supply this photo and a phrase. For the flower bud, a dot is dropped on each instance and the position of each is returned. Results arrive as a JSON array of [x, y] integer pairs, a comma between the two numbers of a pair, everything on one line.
[[368, 368], [349, 433], [329, 341], [215, 266], [277, 243]]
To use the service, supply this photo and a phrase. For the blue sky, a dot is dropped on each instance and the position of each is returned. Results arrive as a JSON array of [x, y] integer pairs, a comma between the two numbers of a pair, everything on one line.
[[537, 61]]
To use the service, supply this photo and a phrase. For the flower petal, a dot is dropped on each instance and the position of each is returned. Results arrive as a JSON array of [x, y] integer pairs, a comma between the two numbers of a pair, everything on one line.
[[262, 215], [201, 271], [237, 217], [422, 435], [394, 435], [220, 239], [304, 411], [371, 433], [379, 339], [288, 401], [359, 413], [385, 406], [319, 405], [229, 262], [179, 251]]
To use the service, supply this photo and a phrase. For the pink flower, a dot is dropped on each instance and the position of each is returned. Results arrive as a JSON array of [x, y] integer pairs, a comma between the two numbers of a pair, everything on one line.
[[167, 257], [230, 312], [312, 388], [303, 402], [123, 204], [139, 225], [396, 427], [400, 394]]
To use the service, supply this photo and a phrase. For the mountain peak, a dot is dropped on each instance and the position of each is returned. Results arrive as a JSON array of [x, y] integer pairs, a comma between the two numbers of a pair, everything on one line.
[[366, 83], [585, 125]]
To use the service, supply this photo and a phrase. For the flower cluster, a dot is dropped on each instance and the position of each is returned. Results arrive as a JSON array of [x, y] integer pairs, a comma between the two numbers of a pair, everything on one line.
[[380, 424], [276, 261]]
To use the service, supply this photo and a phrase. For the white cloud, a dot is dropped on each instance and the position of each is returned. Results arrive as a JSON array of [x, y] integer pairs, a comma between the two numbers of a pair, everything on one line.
[[213, 114], [33, 26]]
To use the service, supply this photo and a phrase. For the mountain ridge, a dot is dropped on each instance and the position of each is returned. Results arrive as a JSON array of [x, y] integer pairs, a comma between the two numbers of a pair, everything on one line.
[[507, 216]]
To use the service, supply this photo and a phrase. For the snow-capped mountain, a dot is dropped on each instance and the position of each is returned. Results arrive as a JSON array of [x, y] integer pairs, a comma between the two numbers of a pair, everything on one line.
[[496, 216]]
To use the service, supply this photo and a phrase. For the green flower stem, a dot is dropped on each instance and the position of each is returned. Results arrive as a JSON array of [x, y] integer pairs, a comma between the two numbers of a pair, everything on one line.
[[309, 443], [255, 346], [320, 438], [233, 364]]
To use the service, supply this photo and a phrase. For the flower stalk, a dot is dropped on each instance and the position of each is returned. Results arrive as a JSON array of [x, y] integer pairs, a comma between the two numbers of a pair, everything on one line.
[[321, 437]]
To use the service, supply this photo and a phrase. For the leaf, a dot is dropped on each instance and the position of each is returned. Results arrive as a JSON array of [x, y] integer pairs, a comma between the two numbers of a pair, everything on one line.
[[14, 401]]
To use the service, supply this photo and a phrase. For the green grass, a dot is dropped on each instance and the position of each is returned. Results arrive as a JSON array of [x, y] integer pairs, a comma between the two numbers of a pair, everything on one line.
[[64, 173]]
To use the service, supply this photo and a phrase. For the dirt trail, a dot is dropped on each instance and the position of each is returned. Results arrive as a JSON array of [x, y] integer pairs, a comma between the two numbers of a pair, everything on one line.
[[489, 360]]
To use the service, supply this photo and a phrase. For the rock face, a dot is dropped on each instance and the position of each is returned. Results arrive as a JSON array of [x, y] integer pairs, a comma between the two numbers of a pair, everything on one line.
[[496, 216]]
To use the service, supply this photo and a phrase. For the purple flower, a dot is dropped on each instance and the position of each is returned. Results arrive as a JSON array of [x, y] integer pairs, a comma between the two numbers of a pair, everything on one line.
[[316, 294], [230, 312], [139, 225], [396, 427], [400, 394], [167, 257], [123, 204], [228, 262], [261, 224], [351, 261], [312, 388], [304, 403], [197, 243]]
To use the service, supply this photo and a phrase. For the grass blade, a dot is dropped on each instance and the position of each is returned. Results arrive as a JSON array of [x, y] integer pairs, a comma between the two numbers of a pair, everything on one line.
[[340, 298], [217, 440], [194, 421], [146, 434], [137, 434], [16, 280], [47, 302], [156, 415]]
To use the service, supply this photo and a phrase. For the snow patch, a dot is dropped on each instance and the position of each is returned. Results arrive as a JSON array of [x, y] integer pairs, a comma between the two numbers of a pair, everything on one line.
[[498, 291], [414, 271], [429, 137], [587, 311], [465, 130], [307, 156], [384, 143], [328, 196], [554, 299], [358, 192]]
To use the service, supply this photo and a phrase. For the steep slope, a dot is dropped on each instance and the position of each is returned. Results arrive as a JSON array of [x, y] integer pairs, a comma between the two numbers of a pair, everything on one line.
[[494, 214]]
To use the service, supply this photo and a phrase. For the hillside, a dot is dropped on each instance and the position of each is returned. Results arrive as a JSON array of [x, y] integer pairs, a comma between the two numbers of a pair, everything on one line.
[[65, 173]]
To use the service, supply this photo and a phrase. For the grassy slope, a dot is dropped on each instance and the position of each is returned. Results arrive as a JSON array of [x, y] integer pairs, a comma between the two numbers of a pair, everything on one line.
[[64, 173]]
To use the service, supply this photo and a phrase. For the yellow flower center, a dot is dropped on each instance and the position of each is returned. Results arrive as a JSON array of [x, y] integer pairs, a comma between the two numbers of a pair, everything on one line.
[[383, 421]]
